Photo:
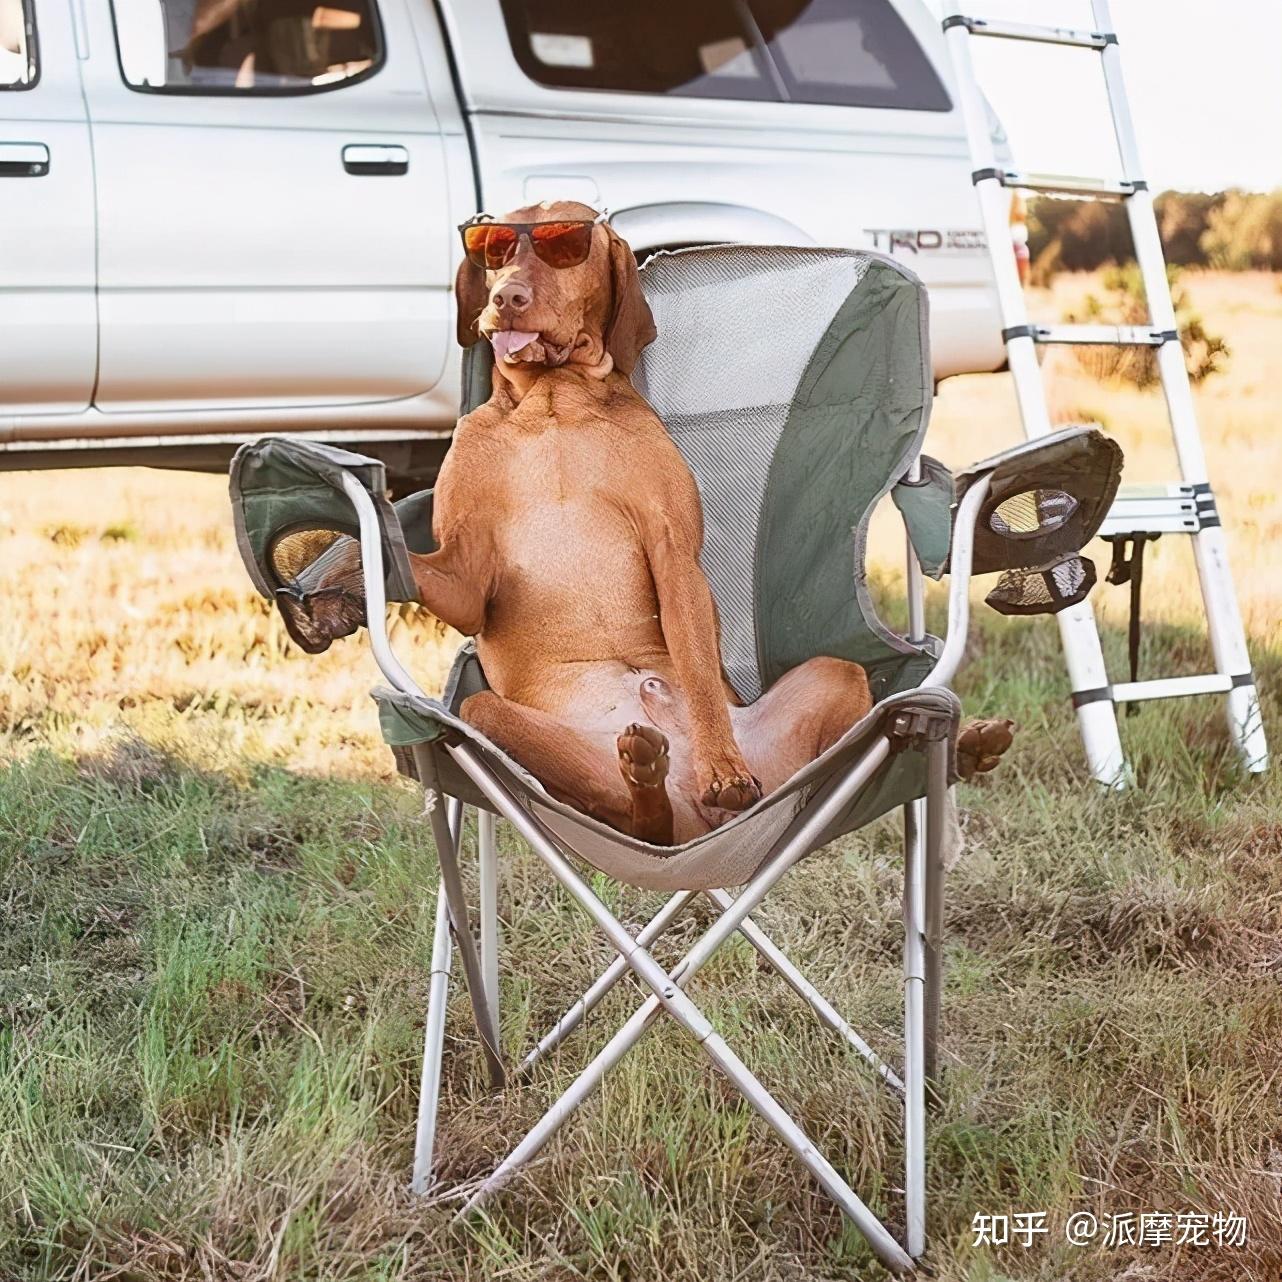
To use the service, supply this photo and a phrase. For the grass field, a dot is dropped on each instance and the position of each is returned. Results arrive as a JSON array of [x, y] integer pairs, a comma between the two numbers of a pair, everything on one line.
[[217, 912]]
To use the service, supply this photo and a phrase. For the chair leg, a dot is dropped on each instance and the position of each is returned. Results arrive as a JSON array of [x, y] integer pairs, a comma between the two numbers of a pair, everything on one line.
[[939, 799], [823, 1009], [452, 881], [488, 877], [605, 982], [429, 1088], [667, 994], [914, 1029]]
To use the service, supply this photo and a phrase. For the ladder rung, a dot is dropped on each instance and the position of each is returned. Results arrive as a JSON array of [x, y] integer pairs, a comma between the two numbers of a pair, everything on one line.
[[1157, 509], [1154, 507], [1039, 35], [1148, 523], [1063, 184], [1149, 490], [1171, 687], [1160, 509], [1094, 335]]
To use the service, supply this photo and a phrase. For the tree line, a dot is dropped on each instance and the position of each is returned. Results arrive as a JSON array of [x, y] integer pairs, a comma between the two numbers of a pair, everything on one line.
[[1228, 230]]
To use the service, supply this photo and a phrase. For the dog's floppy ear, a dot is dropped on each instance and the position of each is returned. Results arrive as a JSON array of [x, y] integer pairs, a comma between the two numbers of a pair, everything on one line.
[[469, 297], [631, 326]]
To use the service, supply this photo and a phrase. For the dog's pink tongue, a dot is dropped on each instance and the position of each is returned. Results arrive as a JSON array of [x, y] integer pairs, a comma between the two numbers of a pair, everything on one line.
[[507, 341]]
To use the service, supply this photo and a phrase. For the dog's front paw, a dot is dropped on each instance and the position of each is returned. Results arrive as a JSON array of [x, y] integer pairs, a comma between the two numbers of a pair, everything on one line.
[[317, 619], [338, 614], [732, 790], [981, 745]]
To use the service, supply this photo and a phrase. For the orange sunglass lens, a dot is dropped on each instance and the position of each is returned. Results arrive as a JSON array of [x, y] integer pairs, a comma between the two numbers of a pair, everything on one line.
[[561, 244], [489, 245]]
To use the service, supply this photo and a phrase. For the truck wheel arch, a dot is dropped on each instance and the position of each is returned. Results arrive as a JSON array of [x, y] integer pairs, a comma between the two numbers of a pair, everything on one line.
[[678, 224]]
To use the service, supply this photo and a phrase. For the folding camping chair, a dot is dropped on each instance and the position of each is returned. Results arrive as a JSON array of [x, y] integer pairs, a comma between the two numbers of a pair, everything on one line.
[[797, 384]]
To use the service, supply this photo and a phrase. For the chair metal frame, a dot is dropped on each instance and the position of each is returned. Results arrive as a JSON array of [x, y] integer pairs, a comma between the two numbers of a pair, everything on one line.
[[924, 826]]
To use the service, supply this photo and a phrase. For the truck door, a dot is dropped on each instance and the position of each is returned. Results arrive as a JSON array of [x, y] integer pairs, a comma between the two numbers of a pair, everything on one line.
[[48, 325], [272, 205]]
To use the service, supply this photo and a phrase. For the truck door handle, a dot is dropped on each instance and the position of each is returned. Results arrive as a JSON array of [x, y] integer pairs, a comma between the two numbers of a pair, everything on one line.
[[368, 158], [23, 160]]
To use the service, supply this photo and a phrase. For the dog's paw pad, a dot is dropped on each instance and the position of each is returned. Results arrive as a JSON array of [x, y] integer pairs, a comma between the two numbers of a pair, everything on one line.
[[732, 792], [643, 756], [981, 745]]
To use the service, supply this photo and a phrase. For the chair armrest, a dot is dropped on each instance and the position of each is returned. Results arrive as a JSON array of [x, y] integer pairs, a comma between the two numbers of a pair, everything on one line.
[[1047, 498], [950, 654], [297, 507]]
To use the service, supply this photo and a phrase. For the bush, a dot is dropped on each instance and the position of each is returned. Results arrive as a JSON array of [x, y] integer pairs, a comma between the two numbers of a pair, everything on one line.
[[1075, 236], [1233, 231], [1122, 302], [1243, 232]]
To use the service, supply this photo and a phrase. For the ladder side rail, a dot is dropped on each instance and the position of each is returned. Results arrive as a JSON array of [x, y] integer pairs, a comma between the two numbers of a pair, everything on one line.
[[994, 205], [1083, 653], [1210, 548]]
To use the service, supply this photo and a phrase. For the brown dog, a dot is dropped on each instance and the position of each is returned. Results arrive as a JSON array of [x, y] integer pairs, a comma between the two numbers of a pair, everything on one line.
[[569, 529]]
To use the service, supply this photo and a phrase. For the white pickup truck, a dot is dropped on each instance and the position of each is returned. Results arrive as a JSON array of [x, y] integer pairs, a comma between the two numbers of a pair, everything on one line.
[[220, 218]]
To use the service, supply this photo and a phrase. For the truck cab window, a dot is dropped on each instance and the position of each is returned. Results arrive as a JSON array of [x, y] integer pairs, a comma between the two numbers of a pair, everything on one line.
[[18, 67], [690, 50], [246, 46], [854, 53]]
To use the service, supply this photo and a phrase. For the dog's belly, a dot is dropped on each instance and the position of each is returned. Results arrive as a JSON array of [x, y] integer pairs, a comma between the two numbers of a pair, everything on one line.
[[599, 700]]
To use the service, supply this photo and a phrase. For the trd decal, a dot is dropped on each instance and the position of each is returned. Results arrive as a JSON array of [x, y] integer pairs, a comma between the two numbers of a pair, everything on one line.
[[925, 239]]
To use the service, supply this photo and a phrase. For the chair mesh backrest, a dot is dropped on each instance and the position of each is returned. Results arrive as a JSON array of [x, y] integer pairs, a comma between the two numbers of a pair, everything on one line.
[[748, 339]]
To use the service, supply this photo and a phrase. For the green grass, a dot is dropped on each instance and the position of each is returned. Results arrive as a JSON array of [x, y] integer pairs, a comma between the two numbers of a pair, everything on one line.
[[216, 908], [213, 978]]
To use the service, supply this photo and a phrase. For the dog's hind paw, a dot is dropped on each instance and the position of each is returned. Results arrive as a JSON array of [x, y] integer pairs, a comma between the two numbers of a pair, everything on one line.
[[733, 792], [643, 756], [981, 745]]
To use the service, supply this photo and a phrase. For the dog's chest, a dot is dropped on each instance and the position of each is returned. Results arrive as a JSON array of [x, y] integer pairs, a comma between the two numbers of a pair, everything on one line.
[[558, 468], [563, 527]]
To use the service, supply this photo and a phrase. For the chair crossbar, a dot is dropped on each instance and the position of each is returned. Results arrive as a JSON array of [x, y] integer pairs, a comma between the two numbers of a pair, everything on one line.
[[769, 951], [826, 1013], [608, 978]]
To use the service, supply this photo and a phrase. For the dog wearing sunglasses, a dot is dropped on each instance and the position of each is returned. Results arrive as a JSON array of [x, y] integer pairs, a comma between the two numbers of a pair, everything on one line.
[[568, 531]]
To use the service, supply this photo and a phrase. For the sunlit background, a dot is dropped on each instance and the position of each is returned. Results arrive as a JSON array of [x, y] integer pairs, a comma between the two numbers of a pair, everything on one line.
[[1205, 82]]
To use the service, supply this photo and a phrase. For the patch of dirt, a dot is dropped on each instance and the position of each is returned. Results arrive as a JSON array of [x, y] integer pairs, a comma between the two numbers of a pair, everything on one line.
[[131, 764], [1163, 926]]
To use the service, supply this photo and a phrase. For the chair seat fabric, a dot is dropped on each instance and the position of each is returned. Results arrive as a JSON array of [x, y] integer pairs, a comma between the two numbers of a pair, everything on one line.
[[727, 856]]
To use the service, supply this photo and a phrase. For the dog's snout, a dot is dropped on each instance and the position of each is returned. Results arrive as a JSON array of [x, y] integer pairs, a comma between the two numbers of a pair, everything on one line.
[[514, 296]]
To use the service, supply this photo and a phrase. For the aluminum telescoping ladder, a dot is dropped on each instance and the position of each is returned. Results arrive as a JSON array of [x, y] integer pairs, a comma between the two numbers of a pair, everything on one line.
[[1187, 507]]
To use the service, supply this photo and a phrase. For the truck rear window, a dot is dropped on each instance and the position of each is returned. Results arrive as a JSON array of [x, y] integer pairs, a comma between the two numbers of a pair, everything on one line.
[[854, 53]]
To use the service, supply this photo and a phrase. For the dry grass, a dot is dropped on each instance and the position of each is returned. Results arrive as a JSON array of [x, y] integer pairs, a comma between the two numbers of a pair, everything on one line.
[[217, 919], [1238, 413]]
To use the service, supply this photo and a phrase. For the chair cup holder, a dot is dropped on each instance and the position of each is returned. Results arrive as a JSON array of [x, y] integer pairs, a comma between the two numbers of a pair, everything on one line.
[[1047, 589]]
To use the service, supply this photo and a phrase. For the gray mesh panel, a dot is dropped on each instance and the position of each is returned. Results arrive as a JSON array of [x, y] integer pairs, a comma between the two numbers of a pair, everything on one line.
[[737, 328]]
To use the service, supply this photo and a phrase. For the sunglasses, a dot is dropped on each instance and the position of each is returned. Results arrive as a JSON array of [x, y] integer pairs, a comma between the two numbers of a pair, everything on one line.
[[564, 243]]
